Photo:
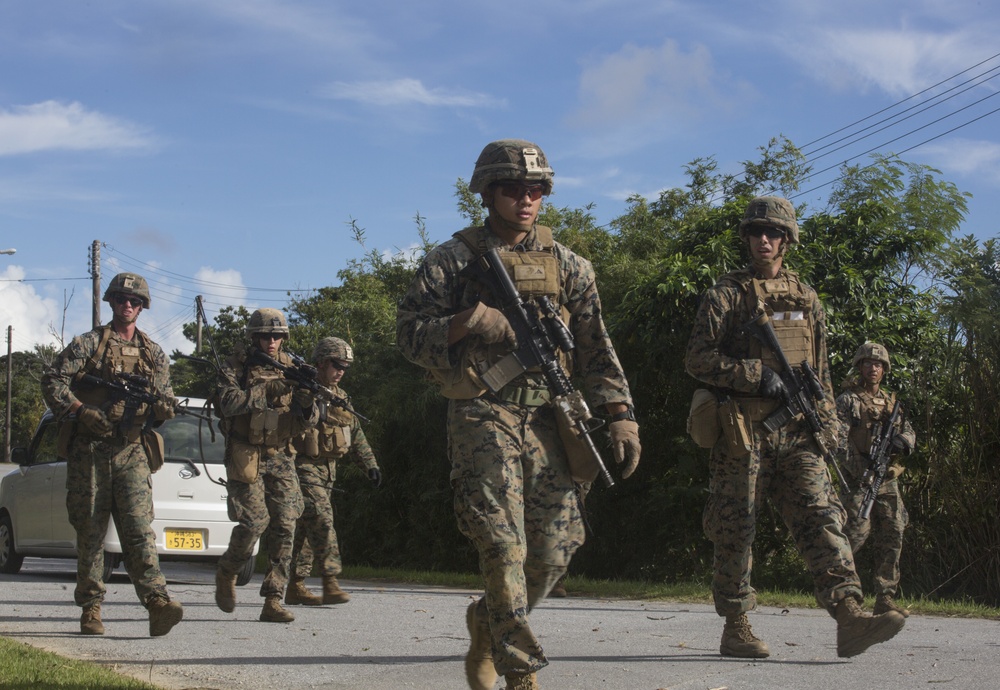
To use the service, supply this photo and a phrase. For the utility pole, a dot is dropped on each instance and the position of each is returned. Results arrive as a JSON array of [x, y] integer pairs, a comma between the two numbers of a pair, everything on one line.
[[95, 275], [10, 378], [197, 318]]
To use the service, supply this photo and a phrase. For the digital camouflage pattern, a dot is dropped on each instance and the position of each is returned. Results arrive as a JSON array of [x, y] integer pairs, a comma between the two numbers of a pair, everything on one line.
[[108, 477], [269, 506], [315, 535], [783, 466], [888, 518], [513, 494]]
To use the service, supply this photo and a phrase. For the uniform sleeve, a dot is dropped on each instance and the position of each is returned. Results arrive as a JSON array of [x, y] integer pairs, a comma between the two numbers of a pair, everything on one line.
[[425, 312], [595, 359], [233, 400], [57, 379], [827, 407], [907, 433], [714, 335], [161, 372]]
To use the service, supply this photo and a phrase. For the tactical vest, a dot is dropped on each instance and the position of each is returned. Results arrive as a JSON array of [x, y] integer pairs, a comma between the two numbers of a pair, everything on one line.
[[115, 356], [873, 409], [789, 308], [535, 273], [330, 439], [271, 427]]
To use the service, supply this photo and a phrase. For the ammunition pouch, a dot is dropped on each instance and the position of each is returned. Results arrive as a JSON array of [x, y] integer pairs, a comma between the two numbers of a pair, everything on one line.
[[736, 427], [583, 466], [242, 461], [152, 443]]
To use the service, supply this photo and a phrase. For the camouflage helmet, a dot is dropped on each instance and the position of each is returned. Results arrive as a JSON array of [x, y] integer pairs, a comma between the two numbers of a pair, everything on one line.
[[873, 351], [510, 159], [128, 284], [267, 320], [771, 211], [332, 348]]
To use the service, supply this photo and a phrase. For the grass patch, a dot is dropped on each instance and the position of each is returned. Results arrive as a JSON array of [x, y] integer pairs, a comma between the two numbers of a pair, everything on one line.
[[687, 592], [24, 666]]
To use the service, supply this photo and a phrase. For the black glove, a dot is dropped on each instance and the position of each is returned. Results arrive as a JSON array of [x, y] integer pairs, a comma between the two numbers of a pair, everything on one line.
[[375, 477], [771, 385]]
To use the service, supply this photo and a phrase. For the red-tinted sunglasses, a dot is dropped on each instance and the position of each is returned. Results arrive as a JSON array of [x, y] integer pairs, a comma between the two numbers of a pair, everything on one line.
[[516, 190]]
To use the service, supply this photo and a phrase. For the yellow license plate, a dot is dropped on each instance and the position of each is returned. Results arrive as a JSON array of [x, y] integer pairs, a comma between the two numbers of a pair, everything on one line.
[[185, 539]]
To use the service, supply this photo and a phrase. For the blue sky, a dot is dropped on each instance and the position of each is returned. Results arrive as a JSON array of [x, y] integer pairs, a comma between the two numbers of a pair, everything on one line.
[[220, 147]]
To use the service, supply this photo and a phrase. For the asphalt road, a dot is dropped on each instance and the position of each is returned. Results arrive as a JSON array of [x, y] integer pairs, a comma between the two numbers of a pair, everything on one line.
[[400, 636]]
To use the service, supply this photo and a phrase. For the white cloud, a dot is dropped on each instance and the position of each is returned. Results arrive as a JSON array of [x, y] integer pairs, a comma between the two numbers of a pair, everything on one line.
[[643, 84], [225, 285], [404, 92], [966, 157], [31, 315], [51, 126]]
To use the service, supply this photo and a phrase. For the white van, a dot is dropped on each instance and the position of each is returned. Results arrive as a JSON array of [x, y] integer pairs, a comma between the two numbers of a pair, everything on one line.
[[189, 499]]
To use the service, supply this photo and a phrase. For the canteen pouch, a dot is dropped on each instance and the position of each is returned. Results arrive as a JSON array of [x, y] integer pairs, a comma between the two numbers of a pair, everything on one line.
[[736, 427], [242, 461], [703, 419], [583, 466], [152, 443]]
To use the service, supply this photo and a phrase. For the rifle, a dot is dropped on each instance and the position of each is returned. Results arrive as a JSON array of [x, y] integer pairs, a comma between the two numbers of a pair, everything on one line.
[[540, 334], [305, 376], [878, 456], [133, 390], [803, 386]]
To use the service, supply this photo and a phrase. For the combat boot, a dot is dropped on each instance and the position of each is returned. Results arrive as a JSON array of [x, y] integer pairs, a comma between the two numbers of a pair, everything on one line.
[[559, 588], [90, 620], [738, 639], [884, 604], [479, 669], [521, 681], [332, 593], [297, 593], [163, 615], [857, 630], [225, 591], [272, 611]]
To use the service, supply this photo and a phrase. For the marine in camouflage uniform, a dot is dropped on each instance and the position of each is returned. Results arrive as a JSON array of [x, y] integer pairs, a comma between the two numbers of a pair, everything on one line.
[[262, 411], [863, 404], [783, 465], [338, 434], [108, 467], [513, 492]]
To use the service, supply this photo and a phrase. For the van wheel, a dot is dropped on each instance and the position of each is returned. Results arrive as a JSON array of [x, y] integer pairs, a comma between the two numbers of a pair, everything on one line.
[[10, 560], [111, 561], [246, 572]]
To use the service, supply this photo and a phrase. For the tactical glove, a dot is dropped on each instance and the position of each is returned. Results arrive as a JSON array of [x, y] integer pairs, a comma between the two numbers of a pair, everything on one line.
[[625, 445], [893, 471], [164, 409], [771, 385], [375, 477], [276, 388], [94, 420], [491, 325], [303, 397]]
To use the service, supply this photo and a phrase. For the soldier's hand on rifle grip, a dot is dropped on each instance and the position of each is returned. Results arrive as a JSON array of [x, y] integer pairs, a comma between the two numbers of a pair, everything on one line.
[[276, 388], [625, 445], [771, 385], [94, 420], [491, 325], [164, 409], [894, 471], [303, 398]]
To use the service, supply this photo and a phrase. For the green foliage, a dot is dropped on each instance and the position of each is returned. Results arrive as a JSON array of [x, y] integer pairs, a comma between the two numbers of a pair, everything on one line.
[[26, 403], [228, 335]]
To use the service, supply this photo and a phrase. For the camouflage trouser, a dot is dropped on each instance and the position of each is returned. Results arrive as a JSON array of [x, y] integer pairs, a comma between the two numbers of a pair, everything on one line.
[[887, 521], [108, 478], [269, 507], [514, 499], [784, 467], [315, 537]]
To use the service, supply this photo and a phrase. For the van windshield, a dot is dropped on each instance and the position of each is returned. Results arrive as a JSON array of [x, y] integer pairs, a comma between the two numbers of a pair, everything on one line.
[[180, 440]]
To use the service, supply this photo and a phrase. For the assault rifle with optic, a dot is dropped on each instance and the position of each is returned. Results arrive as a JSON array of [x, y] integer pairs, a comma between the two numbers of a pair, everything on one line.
[[803, 389], [305, 376], [878, 460], [540, 335]]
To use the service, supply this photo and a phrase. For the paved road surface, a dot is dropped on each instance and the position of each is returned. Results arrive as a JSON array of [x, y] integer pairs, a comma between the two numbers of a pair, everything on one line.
[[400, 636]]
